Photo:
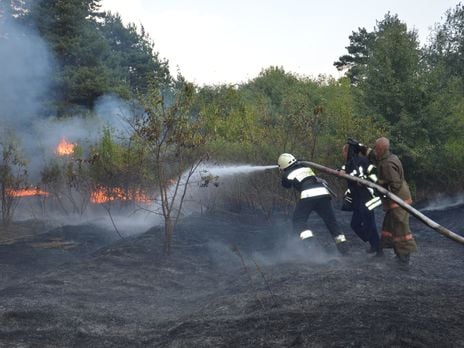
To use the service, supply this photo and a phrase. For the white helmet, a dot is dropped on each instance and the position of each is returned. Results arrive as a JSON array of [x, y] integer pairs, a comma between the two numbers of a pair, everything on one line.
[[285, 160]]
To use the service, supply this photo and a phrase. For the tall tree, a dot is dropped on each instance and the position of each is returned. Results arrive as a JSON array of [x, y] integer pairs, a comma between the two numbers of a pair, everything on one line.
[[391, 85], [447, 44], [133, 60], [355, 61], [69, 26], [444, 83]]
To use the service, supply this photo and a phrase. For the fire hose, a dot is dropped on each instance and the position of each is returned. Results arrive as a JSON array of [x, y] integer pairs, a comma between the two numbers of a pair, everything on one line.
[[429, 222]]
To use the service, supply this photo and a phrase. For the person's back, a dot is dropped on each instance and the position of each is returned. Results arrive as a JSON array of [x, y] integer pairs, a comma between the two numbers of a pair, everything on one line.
[[358, 166], [303, 179], [391, 174], [313, 195]]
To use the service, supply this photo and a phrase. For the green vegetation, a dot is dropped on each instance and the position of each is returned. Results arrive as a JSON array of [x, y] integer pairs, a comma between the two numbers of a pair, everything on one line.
[[392, 87], [13, 175]]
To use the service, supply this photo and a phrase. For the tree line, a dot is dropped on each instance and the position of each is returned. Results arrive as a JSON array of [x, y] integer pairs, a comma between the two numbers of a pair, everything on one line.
[[392, 87]]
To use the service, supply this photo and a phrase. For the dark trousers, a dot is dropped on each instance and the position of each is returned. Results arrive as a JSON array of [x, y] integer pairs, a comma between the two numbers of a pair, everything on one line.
[[322, 206], [363, 224]]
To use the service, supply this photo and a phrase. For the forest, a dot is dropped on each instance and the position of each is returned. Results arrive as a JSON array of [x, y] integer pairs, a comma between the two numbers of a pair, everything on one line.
[[392, 86]]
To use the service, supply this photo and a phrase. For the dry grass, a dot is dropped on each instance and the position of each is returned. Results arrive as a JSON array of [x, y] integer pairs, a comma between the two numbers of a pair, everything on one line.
[[55, 244], [21, 230]]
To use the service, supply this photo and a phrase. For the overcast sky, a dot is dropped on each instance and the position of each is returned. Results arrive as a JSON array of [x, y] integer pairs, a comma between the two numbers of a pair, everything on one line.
[[231, 41]]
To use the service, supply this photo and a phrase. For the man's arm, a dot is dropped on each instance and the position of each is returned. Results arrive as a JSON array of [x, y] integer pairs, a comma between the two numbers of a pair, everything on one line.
[[286, 183], [389, 176]]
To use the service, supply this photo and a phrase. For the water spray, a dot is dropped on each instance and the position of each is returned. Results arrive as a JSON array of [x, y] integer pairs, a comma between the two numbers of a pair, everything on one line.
[[211, 174], [235, 169]]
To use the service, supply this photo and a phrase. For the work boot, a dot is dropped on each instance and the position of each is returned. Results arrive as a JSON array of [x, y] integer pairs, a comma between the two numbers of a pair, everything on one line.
[[343, 248], [307, 237], [342, 245], [375, 252], [403, 259]]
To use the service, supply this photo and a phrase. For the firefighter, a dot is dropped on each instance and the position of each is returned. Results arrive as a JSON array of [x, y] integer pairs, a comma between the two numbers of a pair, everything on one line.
[[396, 233], [314, 195], [362, 200]]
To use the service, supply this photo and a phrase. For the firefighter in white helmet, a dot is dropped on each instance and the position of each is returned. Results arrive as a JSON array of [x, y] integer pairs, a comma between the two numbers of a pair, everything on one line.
[[313, 195]]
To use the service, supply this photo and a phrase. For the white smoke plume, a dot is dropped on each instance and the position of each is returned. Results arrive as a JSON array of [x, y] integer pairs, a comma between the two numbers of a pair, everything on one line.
[[26, 70], [444, 203]]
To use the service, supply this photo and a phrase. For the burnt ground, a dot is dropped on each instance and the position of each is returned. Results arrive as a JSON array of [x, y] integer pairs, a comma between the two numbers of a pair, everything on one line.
[[231, 281]]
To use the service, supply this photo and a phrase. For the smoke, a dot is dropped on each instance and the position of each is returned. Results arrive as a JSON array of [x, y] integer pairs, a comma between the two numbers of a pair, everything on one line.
[[444, 203], [115, 114], [27, 68], [295, 250]]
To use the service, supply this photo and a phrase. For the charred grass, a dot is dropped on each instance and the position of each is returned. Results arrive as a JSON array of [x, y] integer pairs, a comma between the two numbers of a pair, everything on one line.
[[229, 282]]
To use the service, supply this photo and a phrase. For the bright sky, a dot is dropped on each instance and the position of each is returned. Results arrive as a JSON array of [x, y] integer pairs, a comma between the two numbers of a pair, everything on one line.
[[231, 41]]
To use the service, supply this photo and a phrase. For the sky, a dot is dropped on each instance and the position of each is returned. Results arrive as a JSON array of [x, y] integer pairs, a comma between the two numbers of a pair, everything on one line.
[[231, 41]]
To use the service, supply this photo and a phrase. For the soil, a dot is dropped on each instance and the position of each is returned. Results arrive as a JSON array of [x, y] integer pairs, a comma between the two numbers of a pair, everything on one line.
[[230, 281]]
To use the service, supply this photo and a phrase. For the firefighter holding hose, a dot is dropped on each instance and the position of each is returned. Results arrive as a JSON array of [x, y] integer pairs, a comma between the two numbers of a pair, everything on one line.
[[362, 200], [314, 195], [396, 233]]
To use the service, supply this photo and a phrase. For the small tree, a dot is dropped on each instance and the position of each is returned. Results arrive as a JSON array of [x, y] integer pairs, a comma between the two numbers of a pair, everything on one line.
[[175, 137], [67, 180], [13, 175]]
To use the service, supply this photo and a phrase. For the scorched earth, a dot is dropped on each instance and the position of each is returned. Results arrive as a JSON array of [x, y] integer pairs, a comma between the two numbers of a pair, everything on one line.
[[231, 281]]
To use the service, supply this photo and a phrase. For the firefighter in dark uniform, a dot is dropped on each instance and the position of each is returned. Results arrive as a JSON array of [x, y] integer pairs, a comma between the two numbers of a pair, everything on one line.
[[361, 198], [313, 195], [396, 233]]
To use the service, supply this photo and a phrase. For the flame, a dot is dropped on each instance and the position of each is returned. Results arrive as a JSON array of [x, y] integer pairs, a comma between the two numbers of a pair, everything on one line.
[[106, 194], [65, 148], [27, 192]]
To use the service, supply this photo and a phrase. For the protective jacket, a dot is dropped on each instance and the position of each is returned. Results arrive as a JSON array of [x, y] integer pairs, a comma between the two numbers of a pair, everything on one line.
[[391, 176], [395, 228], [314, 196], [358, 166], [303, 179], [357, 194]]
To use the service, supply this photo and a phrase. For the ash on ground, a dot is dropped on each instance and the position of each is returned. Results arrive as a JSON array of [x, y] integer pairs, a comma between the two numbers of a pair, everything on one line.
[[229, 282]]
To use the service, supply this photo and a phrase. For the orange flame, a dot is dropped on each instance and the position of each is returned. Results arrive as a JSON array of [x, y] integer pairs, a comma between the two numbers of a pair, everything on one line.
[[27, 192], [65, 148], [104, 195]]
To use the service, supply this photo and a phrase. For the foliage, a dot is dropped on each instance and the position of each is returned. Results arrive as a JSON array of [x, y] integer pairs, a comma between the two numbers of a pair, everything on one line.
[[412, 92], [120, 164], [356, 60], [175, 139], [132, 59], [393, 87], [68, 183], [446, 49], [94, 53], [13, 177]]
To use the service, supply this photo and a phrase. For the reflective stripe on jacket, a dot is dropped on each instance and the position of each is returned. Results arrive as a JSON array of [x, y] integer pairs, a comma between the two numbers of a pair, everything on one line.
[[303, 179]]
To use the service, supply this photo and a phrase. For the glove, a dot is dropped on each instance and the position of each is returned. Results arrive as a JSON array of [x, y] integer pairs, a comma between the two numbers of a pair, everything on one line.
[[347, 204]]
